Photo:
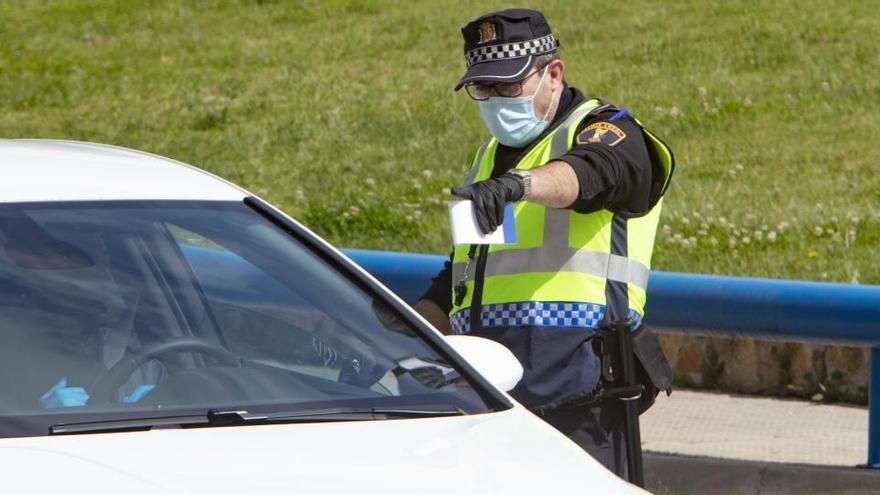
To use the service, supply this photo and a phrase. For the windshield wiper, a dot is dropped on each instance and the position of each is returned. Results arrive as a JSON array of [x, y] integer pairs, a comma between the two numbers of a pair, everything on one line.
[[218, 417], [134, 424]]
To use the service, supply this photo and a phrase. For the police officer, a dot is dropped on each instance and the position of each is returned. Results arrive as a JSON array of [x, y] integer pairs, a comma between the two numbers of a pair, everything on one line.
[[587, 181]]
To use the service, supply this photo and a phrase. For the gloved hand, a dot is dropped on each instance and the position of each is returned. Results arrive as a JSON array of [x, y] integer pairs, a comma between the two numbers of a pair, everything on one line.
[[60, 395], [138, 394], [489, 197], [360, 371]]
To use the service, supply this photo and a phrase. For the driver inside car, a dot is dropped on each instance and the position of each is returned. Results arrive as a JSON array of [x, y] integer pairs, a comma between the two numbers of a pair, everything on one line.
[[113, 342], [66, 313]]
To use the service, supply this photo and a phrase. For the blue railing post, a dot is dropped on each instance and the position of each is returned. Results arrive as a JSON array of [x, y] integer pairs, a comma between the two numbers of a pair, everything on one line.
[[874, 410]]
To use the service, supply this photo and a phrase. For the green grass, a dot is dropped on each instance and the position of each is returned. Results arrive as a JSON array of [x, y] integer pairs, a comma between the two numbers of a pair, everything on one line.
[[343, 114]]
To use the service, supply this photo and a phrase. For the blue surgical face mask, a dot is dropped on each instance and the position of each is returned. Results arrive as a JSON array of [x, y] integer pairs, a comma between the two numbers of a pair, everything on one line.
[[512, 120]]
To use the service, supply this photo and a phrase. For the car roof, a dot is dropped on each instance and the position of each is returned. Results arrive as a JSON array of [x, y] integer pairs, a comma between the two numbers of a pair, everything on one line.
[[38, 170]]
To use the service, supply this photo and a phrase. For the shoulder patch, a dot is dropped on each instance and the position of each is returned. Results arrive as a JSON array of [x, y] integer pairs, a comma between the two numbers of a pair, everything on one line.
[[601, 132]]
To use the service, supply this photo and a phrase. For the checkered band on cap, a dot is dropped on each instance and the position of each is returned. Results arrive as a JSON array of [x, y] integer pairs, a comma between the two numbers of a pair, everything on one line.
[[505, 51], [537, 314]]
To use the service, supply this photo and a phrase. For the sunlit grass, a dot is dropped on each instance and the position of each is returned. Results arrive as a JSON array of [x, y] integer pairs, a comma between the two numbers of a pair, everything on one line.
[[343, 114]]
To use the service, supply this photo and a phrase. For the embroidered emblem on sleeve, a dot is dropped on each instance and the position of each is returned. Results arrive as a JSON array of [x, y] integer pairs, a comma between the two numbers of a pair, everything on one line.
[[601, 132]]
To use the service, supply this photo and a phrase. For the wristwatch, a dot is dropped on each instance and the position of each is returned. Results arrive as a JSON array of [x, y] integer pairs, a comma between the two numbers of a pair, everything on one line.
[[525, 178]]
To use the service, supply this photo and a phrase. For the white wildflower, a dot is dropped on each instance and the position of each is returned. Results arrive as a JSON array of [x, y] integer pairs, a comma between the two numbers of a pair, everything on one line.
[[850, 237], [771, 236]]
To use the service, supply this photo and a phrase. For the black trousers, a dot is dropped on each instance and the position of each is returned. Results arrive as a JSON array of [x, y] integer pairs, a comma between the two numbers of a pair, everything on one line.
[[598, 429]]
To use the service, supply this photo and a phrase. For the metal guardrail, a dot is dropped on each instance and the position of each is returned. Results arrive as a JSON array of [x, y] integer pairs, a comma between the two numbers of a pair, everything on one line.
[[703, 304]]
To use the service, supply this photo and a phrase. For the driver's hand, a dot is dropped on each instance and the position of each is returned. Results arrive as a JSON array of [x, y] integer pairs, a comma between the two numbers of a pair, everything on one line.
[[138, 394], [360, 371], [60, 395]]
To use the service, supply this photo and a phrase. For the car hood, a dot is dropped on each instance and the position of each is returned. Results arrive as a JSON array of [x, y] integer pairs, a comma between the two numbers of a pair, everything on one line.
[[506, 453]]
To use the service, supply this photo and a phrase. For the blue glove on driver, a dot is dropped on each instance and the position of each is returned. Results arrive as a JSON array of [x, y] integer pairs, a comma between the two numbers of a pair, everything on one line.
[[60, 395], [138, 394]]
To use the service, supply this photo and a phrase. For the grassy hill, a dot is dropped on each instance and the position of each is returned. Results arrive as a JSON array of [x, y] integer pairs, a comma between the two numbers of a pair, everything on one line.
[[343, 114]]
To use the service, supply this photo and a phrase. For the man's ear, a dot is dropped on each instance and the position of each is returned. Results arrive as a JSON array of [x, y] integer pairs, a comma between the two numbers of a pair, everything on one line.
[[556, 70]]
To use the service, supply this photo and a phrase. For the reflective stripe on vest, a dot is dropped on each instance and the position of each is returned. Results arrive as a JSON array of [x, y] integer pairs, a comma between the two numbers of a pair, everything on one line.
[[544, 266]]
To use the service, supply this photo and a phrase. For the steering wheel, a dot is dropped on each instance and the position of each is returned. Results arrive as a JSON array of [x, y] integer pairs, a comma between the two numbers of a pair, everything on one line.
[[115, 377]]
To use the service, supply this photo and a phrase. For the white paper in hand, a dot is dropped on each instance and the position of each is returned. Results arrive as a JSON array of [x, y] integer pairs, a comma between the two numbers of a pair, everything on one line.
[[466, 231]]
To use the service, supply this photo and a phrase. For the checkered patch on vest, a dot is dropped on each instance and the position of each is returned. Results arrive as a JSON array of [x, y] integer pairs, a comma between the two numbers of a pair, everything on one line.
[[601, 132]]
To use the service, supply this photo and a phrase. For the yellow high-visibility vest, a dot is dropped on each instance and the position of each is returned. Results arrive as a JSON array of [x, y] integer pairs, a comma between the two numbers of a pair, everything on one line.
[[562, 256]]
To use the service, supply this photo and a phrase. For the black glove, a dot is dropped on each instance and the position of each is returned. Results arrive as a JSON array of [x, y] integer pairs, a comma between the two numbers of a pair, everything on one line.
[[489, 197]]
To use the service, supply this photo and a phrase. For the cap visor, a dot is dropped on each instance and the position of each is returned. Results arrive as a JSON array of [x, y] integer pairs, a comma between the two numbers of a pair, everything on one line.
[[511, 70]]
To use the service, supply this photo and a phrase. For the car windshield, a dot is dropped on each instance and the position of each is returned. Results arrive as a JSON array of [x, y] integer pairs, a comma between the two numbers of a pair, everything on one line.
[[115, 310]]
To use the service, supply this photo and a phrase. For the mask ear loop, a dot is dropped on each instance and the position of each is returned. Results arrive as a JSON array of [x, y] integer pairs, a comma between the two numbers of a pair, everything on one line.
[[552, 92]]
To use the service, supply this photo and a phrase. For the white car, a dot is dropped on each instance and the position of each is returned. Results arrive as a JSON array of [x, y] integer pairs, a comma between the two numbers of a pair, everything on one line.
[[165, 331]]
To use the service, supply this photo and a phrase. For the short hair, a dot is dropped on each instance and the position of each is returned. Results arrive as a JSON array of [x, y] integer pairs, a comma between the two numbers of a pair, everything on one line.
[[542, 60]]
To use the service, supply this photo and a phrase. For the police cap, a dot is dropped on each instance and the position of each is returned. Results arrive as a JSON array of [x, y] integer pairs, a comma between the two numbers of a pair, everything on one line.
[[502, 46]]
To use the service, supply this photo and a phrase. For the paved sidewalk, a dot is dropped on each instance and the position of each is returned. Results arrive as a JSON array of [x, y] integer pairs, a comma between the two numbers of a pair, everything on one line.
[[756, 429]]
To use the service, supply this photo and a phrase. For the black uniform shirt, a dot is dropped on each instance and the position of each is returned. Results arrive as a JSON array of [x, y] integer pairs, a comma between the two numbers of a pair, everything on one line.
[[618, 176]]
